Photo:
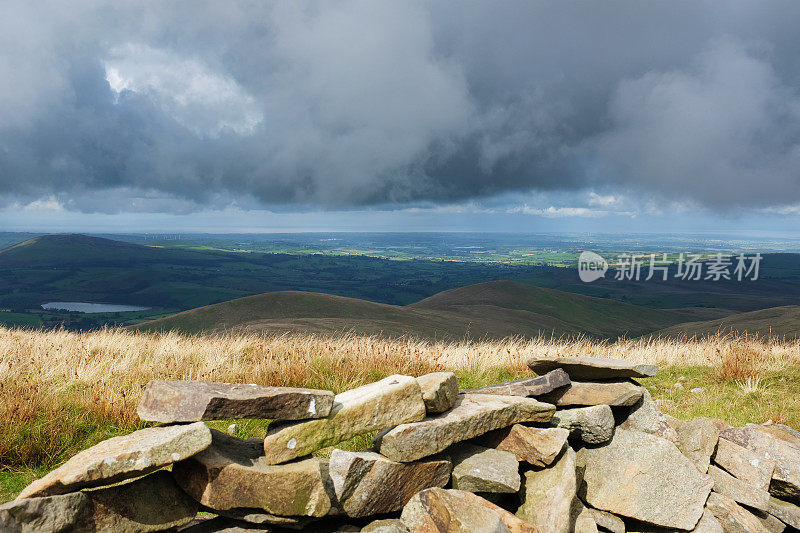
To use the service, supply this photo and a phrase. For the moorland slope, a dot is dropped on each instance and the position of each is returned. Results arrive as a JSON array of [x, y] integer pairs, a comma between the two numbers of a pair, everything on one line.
[[494, 309], [779, 322]]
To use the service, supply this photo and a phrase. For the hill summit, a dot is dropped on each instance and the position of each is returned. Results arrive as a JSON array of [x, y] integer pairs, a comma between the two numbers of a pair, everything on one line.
[[70, 249], [494, 309]]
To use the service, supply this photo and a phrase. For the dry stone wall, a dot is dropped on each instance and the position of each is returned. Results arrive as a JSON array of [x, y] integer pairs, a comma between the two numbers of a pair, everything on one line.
[[582, 447]]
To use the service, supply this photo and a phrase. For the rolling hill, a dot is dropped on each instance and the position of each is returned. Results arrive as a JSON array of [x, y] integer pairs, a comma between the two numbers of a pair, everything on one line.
[[82, 250], [486, 310], [781, 322]]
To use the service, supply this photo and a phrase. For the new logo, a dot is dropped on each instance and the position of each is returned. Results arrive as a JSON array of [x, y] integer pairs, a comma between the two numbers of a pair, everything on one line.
[[591, 266]]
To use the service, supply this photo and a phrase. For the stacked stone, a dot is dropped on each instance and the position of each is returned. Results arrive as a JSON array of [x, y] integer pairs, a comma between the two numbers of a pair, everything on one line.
[[580, 447]]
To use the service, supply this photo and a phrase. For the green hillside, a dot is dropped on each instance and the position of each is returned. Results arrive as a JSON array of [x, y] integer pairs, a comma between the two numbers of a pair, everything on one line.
[[486, 310], [781, 322], [81, 250]]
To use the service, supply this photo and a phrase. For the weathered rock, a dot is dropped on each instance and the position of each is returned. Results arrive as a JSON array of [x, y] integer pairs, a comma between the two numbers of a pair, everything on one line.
[[592, 367], [785, 482], [786, 512], [744, 464], [473, 415], [232, 473], [458, 511], [647, 417], [617, 393], [537, 446], [555, 379], [549, 496], [782, 431], [770, 523], [121, 458], [192, 401], [152, 503], [644, 477], [708, 524], [261, 517], [721, 424], [57, 514], [607, 521], [592, 425], [582, 518], [738, 490], [673, 422], [367, 483], [439, 391], [697, 440], [222, 524], [387, 525], [736, 519], [479, 469], [393, 400]]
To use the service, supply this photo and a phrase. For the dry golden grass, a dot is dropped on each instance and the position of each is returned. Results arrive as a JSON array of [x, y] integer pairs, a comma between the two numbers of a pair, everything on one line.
[[61, 391]]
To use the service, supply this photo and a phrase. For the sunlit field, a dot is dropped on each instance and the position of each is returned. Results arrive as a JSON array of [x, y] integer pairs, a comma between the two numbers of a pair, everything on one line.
[[61, 391]]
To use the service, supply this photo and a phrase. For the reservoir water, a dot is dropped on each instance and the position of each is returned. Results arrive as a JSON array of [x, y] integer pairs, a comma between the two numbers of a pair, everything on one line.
[[86, 307]]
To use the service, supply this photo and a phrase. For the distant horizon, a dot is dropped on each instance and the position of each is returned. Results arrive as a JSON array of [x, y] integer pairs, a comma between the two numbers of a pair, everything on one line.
[[751, 234]]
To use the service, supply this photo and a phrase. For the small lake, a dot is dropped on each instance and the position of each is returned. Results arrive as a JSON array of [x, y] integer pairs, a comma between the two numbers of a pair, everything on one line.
[[86, 307]]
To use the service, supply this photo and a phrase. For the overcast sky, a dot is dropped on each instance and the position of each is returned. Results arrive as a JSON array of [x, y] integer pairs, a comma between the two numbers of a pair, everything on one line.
[[534, 116]]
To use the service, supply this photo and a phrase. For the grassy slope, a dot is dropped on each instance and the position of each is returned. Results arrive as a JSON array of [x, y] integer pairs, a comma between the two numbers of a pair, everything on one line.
[[492, 310], [81, 250], [777, 321]]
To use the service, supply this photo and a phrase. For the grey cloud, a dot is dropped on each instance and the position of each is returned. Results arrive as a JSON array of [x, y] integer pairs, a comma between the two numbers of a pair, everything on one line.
[[364, 103]]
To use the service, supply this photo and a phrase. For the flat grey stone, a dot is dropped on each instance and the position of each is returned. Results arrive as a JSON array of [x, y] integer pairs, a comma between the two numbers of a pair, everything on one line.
[[697, 440], [592, 425], [151, 503], [786, 512], [392, 400], [549, 495], [617, 393], [536, 446], [707, 524], [192, 401], [439, 391], [473, 415], [644, 477], [582, 518], [592, 367], [479, 469], [536, 386], [260, 517], [646, 416], [607, 521], [367, 483], [744, 464], [735, 518], [387, 525], [223, 524], [738, 490], [458, 511], [232, 473], [62, 513], [785, 482], [123, 457]]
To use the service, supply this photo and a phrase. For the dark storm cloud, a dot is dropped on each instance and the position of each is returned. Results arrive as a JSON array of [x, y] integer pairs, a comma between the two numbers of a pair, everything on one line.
[[131, 106]]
